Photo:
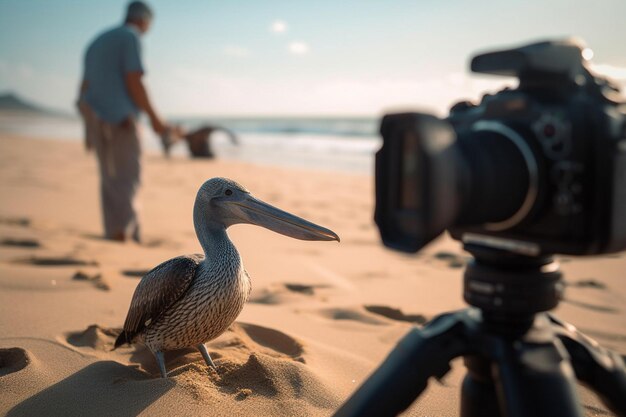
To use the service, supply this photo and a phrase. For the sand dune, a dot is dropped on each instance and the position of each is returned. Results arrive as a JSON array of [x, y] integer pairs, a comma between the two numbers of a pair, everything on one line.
[[320, 319]]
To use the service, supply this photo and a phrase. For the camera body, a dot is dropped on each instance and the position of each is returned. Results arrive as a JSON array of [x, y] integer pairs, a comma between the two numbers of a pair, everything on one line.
[[539, 169]]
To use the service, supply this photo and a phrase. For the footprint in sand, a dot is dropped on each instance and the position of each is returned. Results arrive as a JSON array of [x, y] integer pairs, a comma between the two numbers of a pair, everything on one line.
[[587, 283], [395, 314], [244, 339], [271, 339], [55, 261], [452, 260], [158, 243], [95, 337], [135, 273], [352, 314], [147, 243], [20, 243], [13, 360], [304, 289], [282, 293], [370, 314], [96, 279], [15, 221]]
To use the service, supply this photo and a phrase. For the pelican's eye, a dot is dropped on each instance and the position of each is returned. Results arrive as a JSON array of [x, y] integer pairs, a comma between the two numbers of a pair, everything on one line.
[[228, 192]]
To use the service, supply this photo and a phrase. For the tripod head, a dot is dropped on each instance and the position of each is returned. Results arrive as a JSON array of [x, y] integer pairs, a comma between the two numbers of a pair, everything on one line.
[[510, 288]]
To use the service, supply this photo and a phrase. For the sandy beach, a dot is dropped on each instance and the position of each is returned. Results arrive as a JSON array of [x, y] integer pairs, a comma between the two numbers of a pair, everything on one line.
[[321, 317]]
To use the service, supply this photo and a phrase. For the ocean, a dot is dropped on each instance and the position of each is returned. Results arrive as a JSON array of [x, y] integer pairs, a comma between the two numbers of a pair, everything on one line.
[[331, 143]]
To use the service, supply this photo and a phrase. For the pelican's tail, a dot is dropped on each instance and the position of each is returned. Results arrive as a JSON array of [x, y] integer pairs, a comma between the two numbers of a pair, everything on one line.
[[121, 339]]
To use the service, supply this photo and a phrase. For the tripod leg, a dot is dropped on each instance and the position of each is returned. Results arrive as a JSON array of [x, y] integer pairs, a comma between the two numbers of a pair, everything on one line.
[[534, 377], [405, 372], [478, 393], [599, 368]]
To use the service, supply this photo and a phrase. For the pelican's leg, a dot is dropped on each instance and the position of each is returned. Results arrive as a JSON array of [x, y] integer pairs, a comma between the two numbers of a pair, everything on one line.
[[161, 361], [206, 356]]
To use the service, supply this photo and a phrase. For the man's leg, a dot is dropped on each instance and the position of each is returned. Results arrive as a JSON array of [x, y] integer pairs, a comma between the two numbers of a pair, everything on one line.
[[126, 152], [99, 133], [117, 148]]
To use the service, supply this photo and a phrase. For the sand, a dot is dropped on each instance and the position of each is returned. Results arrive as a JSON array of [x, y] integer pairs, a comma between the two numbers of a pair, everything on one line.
[[321, 317]]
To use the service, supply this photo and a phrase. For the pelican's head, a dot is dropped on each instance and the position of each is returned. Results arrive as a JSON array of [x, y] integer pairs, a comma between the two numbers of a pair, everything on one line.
[[222, 202]]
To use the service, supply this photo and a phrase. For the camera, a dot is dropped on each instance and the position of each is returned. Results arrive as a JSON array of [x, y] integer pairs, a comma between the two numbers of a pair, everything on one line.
[[538, 169]]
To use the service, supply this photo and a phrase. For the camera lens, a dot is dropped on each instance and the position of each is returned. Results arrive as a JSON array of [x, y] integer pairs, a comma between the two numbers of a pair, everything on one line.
[[501, 176], [410, 195], [431, 177]]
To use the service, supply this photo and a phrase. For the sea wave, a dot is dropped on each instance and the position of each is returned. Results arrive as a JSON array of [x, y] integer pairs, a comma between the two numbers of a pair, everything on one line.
[[334, 126], [343, 144]]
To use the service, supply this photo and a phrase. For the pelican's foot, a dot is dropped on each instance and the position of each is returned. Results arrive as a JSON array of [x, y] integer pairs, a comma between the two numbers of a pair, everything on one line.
[[161, 361], [206, 356]]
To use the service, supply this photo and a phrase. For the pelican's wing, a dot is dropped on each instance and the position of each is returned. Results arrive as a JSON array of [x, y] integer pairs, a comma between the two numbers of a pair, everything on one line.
[[156, 292]]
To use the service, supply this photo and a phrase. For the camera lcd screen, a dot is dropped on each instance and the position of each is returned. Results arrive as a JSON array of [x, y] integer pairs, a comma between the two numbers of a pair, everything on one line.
[[410, 192]]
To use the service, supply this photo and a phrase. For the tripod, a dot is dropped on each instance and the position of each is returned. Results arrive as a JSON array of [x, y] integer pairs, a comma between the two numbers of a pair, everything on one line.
[[520, 360]]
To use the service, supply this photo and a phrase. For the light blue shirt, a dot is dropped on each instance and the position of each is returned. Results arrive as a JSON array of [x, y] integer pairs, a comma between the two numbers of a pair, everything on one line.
[[108, 59]]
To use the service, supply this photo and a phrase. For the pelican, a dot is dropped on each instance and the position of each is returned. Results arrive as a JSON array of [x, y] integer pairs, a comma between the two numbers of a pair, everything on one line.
[[191, 299]]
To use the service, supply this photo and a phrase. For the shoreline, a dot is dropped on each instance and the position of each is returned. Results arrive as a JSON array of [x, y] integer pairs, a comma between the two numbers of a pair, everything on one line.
[[320, 151], [180, 156]]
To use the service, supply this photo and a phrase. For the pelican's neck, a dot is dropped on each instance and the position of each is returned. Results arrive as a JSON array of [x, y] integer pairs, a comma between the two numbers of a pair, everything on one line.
[[213, 237]]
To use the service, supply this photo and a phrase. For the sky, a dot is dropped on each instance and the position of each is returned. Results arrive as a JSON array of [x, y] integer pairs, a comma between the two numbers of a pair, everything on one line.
[[351, 57]]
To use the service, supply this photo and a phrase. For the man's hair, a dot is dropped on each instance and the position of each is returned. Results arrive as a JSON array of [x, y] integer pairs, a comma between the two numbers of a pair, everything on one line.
[[138, 10]]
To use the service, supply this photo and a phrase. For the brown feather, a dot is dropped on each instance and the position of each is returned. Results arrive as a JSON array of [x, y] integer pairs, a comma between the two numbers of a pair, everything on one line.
[[157, 291]]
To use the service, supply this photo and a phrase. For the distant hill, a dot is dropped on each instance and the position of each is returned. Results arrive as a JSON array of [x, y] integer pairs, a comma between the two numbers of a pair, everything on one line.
[[11, 102]]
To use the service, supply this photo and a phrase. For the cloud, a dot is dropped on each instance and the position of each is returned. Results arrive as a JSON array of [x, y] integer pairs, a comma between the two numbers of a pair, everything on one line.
[[235, 51], [198, 90], [278, 27], [298, 48]]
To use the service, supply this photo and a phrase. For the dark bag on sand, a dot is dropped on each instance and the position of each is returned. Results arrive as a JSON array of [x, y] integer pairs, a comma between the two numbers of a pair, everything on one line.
[[199, 141]]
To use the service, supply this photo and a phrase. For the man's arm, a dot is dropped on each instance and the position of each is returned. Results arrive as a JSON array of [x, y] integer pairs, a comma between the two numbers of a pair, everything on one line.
[[83, 87], [139, 95], [82, 109]]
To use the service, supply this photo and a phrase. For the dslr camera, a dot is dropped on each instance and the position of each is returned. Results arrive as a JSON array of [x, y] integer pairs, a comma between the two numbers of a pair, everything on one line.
[[539, 169]]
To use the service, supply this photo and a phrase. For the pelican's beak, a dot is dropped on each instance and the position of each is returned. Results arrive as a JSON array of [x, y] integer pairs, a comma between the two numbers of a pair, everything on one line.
[[255, 211]]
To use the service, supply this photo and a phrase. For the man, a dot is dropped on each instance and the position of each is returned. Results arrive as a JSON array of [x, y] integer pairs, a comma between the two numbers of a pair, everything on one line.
[[111, 96]]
